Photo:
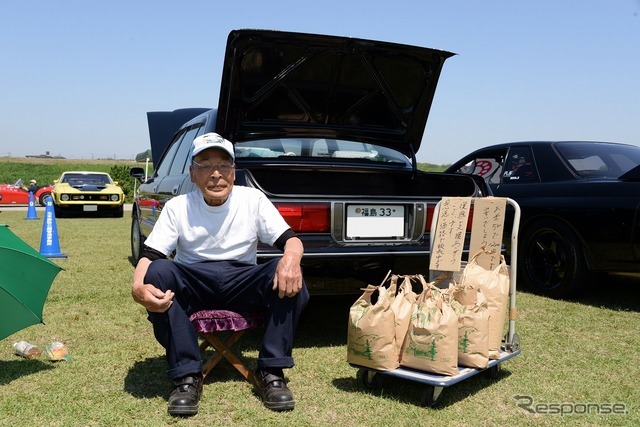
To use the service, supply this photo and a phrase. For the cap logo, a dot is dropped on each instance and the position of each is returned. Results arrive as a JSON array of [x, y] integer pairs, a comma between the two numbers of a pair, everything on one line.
[[212, 140]]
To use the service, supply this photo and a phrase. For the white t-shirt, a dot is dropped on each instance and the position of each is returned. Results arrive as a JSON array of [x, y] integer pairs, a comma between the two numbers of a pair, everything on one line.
[[230, 232]]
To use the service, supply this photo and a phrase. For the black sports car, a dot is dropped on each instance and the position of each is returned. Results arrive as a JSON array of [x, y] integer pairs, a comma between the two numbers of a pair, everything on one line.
[[328, 128], [579, 205]]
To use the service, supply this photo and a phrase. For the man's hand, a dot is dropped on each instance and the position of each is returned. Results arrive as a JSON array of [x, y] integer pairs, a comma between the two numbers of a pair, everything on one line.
[[288, 278], [152, 298]]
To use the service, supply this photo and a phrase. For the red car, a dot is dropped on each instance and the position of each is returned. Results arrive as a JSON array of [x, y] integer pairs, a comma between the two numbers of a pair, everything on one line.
[[14, 194]]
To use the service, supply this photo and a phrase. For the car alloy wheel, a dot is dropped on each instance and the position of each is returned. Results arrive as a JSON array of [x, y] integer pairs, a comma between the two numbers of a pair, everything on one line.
[[551, 260], [43, 199]]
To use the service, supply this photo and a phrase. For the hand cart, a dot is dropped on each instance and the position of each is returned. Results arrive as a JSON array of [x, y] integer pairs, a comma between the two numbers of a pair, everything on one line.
[[435, 383]]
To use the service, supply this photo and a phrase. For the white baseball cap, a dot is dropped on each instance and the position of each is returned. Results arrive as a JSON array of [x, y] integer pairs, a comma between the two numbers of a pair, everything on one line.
[[212, 140]]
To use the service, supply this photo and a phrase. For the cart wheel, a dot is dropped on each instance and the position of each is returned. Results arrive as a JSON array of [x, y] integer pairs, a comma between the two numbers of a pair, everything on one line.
[[514, 345], [430, 396], [494, 371], [516, 342], [370, 379]]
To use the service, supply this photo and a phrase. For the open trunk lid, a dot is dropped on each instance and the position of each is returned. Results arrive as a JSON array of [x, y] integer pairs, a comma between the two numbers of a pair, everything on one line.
[[281, 84]]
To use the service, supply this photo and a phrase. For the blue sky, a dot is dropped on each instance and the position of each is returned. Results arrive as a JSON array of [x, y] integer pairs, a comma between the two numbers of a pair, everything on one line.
[[77, 77]]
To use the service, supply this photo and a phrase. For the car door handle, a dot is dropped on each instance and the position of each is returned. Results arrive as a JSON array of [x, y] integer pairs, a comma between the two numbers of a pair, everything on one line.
[[175, 190]]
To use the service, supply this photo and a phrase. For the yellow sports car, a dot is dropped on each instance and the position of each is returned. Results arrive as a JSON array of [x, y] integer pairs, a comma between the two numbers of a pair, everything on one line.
[[82, 192]]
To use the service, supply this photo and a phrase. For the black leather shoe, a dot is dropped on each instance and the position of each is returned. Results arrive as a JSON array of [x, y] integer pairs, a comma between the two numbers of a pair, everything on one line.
[[274, 392], [185, 397]]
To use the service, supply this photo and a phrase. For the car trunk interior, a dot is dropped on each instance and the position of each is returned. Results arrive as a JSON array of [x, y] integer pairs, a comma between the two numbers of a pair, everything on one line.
[[356, 183]]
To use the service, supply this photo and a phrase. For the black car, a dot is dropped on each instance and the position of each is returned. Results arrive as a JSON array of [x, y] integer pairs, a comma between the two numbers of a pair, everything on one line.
[[580, 208], [328, 128]]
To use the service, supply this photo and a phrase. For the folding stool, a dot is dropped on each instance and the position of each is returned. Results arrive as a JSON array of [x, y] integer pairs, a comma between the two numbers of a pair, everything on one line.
[[212, 324]]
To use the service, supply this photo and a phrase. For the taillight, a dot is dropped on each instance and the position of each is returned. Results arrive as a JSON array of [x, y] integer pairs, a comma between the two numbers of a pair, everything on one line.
[[431, 208], [307, 218]]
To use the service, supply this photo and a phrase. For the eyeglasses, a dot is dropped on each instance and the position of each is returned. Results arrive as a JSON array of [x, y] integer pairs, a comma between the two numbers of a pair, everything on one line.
[[208, 168]]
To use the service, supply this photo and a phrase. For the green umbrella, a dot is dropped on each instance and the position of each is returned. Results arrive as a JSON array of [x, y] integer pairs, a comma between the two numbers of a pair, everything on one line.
[[25, 279]]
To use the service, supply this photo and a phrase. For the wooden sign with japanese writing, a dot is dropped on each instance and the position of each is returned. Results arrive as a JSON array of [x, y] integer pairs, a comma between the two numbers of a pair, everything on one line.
[[446, 254], [486, 230]]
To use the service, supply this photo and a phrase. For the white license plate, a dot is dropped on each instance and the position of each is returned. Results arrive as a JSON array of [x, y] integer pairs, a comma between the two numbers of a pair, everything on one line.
[[369, 221], [90, 208]]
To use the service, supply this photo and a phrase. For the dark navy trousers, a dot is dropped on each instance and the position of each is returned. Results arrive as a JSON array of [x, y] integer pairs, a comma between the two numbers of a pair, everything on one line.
[[222, 285]]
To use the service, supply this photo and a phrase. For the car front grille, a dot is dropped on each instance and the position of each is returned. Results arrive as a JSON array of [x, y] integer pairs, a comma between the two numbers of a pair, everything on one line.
[[89, 197]]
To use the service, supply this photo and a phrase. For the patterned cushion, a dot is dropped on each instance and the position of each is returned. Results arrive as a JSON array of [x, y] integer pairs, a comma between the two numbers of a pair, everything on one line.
[[224, 320]]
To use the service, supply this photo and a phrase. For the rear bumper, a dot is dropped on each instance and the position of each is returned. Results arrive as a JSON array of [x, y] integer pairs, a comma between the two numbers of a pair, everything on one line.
[[358, 265]]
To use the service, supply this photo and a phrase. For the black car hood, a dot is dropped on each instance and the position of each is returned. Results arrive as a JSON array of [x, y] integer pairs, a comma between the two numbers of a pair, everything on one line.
[[280, 84], [164, 124], [89, 187]]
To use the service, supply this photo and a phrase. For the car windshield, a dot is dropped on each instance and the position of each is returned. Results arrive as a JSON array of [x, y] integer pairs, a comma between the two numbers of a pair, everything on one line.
[[79, 179], [318, 148], [599, 159]]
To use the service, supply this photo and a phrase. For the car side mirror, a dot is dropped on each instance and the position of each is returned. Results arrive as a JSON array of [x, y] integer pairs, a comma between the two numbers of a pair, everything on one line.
[[137, 173]]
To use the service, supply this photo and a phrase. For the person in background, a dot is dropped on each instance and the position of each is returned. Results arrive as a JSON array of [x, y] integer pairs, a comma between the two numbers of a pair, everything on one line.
[[33, 187], [214, 232]]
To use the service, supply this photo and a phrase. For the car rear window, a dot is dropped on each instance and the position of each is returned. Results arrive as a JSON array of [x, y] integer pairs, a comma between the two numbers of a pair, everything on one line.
[[318, 148], [600, 160]]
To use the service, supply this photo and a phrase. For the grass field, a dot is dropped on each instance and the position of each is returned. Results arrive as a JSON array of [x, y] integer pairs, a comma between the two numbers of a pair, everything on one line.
[[574, 353]]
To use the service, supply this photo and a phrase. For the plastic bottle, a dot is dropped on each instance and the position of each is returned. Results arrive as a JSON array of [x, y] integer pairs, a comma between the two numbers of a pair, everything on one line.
[[27, 350]]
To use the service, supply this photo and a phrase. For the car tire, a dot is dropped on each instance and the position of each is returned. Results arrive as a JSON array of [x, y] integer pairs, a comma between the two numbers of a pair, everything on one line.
[[119, 213], [551, 260], [43, 198], [137, 239]]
